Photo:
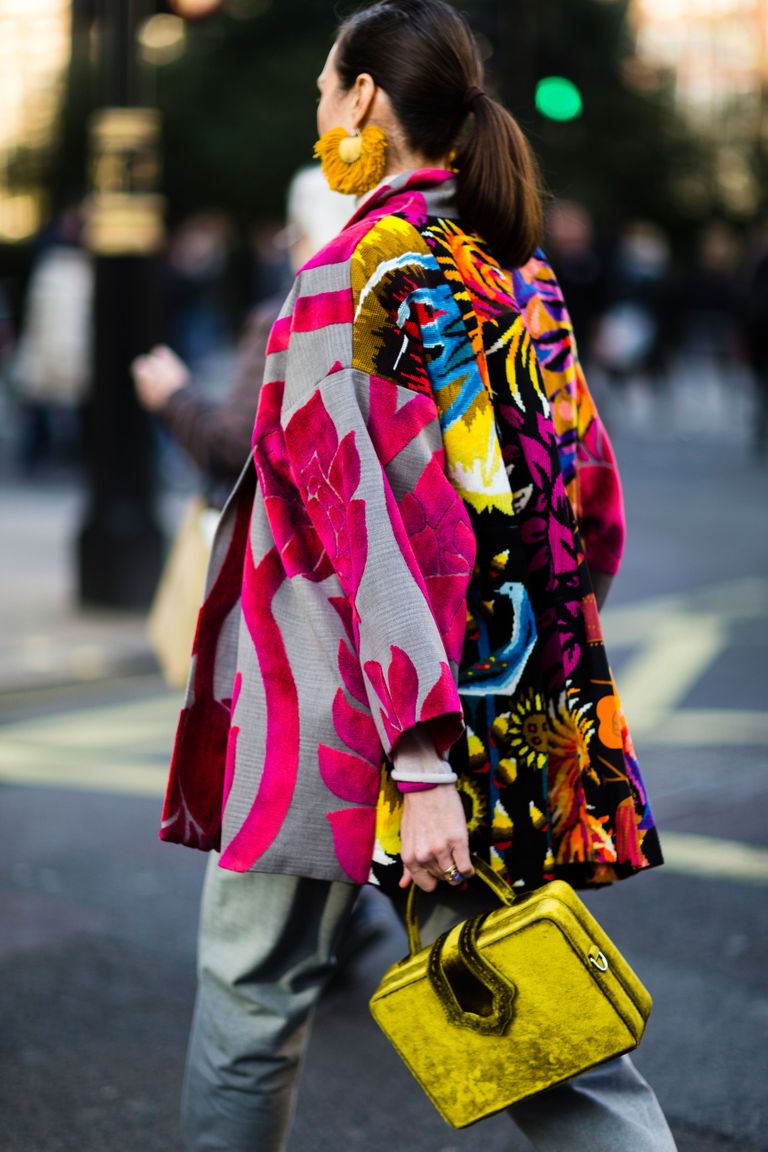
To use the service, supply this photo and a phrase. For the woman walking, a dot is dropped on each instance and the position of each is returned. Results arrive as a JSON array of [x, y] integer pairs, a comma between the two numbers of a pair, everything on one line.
[[399, 656]]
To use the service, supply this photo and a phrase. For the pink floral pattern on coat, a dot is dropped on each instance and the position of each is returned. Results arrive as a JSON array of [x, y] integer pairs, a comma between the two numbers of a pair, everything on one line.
[[327, 472]]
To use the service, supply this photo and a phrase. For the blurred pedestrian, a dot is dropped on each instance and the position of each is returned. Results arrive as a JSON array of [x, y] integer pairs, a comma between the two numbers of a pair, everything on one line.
[[216, 434], [198, 261], [580, 269], [711, 299], [7, 344], [756, 340], [636, 333], [399, 654], [51, 372]]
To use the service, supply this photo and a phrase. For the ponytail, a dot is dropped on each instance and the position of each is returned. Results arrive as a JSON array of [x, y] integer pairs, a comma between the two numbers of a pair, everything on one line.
[[499, 189]]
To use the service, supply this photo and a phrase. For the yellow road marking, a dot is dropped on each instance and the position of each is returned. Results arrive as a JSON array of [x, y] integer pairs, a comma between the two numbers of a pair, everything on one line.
[[711, 728], [675, 640], [714, 858], [119, 748], [123, 748], [735, 600], [686, 854], [112, 775], [672, 660]]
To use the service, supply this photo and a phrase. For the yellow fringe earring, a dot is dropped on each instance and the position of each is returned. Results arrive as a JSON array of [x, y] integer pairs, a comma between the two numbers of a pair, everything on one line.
[[352, 164]]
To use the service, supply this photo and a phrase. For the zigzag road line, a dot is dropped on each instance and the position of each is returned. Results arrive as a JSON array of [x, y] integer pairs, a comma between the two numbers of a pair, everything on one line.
[[675, 639], [734, 600], [675, 655]]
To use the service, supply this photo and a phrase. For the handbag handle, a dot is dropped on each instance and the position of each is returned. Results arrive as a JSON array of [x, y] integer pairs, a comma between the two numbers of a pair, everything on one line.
[[499, 887], [473, 993]]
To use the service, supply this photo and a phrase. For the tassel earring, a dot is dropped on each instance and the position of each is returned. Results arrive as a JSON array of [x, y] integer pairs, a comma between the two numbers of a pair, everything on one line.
[[352, 164]]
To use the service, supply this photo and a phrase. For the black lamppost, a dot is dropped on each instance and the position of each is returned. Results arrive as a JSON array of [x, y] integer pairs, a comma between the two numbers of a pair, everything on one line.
[[120, 546]]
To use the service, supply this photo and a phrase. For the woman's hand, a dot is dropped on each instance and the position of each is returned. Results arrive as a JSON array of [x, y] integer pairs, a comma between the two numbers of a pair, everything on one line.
[[433, 836], [157, 376]]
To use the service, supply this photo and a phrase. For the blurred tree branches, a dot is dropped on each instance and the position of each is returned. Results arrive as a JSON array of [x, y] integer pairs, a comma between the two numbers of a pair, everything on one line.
[[238, 109], [630, 155]]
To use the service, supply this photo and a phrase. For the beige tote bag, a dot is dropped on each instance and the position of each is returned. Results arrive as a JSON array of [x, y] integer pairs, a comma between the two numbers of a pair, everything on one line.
[[173, 616]]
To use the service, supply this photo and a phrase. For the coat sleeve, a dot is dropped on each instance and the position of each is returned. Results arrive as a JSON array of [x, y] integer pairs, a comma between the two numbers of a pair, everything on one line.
[[600, 500], [589, 465], [366, 455]]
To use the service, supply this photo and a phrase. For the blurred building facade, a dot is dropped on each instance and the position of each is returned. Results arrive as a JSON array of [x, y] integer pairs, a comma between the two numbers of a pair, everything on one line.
[[35, 46], [717, 53]]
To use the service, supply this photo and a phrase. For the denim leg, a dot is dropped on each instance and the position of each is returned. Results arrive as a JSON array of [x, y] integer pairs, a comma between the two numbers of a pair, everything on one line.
[[266, 948], [609, 1109]]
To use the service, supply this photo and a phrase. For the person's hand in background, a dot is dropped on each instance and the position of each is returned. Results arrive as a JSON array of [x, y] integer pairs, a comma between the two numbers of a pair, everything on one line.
[[157, 375]]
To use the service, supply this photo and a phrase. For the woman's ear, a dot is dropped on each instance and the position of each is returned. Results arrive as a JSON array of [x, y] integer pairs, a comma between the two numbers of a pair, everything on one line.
[[364, 95]]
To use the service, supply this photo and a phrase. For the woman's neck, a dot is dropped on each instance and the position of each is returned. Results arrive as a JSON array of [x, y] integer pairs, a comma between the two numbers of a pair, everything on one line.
[[404, 161]]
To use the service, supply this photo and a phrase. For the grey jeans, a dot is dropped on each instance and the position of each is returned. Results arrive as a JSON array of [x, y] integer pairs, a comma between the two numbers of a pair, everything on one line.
[[267, 947]]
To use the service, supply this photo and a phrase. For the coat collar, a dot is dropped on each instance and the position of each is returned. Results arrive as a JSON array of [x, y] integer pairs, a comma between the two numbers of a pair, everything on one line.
[[418, 193]]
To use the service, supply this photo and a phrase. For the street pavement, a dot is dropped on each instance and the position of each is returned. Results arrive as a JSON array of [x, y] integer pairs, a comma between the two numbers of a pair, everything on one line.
[[98, 918]]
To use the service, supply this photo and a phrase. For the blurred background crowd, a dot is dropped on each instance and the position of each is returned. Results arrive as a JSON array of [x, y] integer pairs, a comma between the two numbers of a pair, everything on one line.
[[650, 118]]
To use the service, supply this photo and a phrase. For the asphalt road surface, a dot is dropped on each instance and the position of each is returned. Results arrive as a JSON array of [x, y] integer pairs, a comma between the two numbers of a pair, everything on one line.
[[98, 919]]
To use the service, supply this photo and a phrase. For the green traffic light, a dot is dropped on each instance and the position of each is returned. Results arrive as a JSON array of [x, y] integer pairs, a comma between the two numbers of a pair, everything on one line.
[[558, 98]]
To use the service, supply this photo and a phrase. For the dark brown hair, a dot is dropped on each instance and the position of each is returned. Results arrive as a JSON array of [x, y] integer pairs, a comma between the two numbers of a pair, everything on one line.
[[422, 53]]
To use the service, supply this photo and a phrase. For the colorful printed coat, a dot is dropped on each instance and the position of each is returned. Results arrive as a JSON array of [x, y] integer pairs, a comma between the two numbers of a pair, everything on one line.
[[411, 545]]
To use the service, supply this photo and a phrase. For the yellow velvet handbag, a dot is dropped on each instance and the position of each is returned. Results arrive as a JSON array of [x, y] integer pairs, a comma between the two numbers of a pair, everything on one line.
[[510, 1002]]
